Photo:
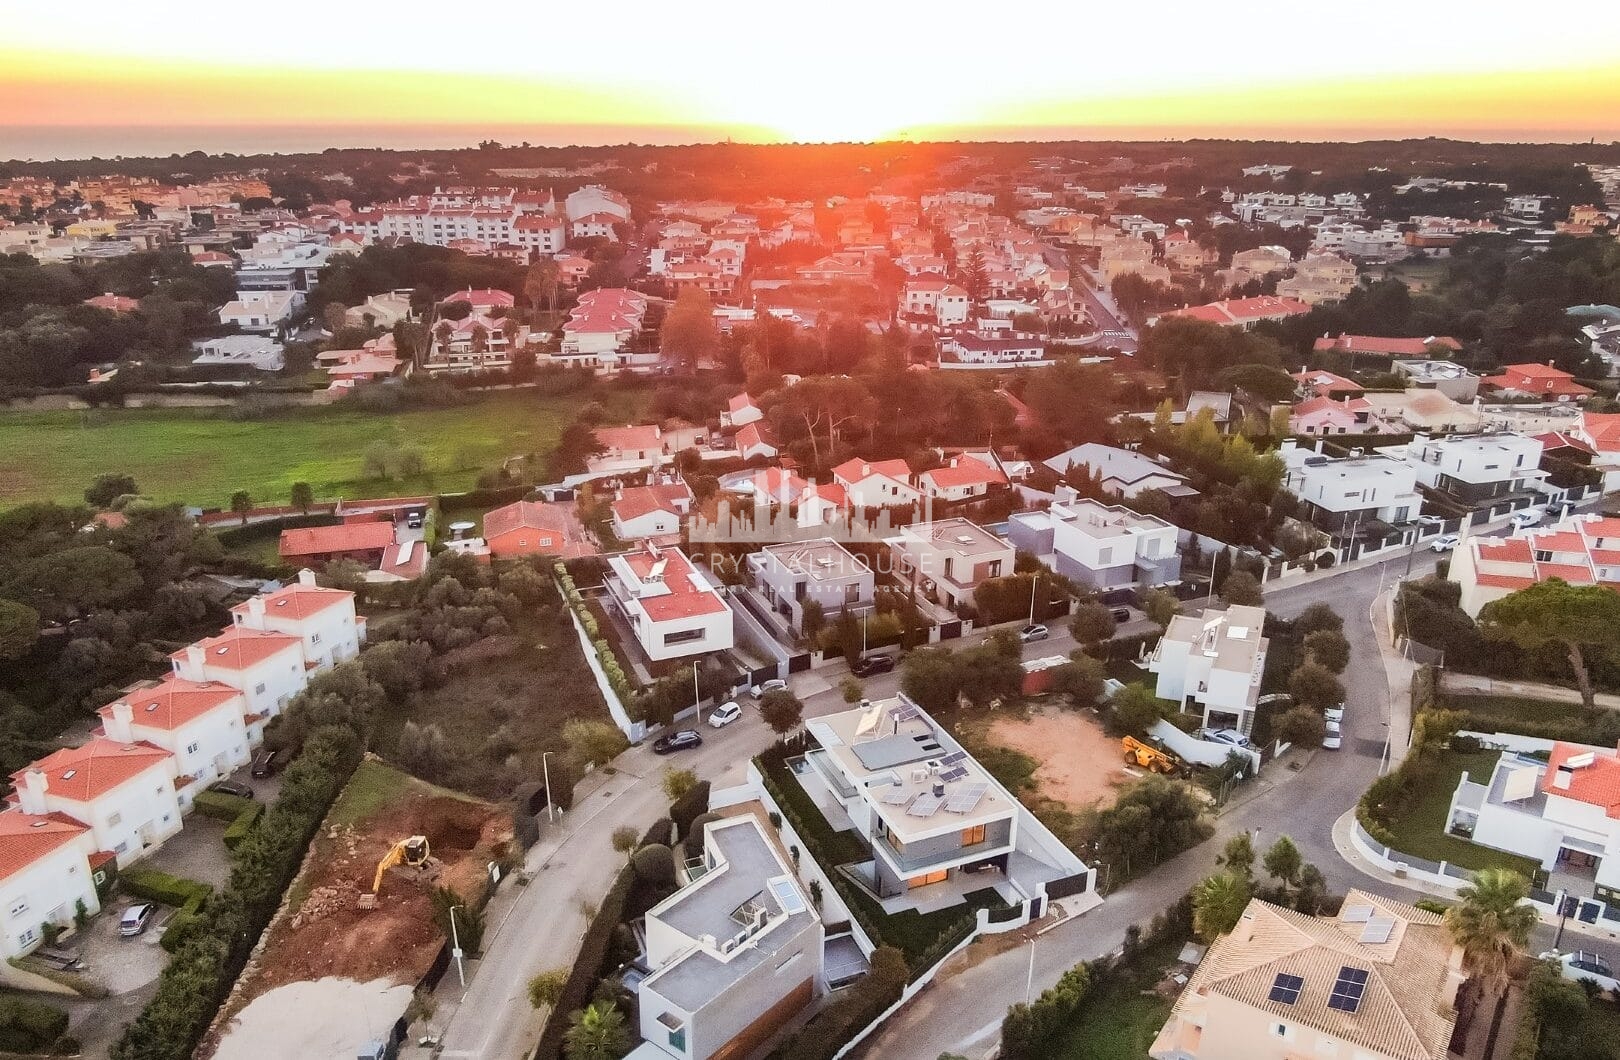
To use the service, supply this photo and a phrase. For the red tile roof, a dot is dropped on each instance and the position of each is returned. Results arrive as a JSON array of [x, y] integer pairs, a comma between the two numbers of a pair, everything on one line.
[[238, 649], [486, 298], [858, 470], [1597, 784], [740, 402], [637, 501], [298, 601], [174, 702], [345, 537], [1504, 550], [1384, 346], [964, 473], [522, 514], [90, 771], [27, 837], [1241, 310], [1562, 440], [1603, 428], [752, 436], [1537, 379], [643, 437], [685, 598]]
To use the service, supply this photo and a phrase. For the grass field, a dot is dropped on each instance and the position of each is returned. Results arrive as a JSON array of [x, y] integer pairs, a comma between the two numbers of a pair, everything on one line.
[[1118, 1021], [200, 456]]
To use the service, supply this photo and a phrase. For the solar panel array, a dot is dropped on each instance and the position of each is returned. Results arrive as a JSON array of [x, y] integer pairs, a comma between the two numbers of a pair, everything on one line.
[[965, 800], [1356, 914], [1347, 989], [897, 797], [927, 805], [1285, 988], [1378, 929], [953, 758], [905, 711], [953, 773]]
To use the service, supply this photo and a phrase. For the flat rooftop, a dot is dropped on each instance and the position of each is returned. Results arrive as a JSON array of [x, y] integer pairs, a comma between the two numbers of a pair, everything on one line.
[[822, 559], [1231, 637], [916, 777], [1104, 521], [956, 535]]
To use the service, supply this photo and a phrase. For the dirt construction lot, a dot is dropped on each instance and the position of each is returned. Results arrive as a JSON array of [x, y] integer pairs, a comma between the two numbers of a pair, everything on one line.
[[325, 934], [1079, 764]]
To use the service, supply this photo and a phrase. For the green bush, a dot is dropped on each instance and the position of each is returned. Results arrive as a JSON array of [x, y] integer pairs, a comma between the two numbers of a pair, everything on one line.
[[684, 810], [586, 970], [179, 925], [243, 824], [161, 887], [839, 1022], [28, 1026], [220, 806]]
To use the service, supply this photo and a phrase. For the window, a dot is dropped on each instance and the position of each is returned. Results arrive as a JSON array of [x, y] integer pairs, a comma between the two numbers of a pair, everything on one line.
[[191, 748], [1105, 555], [684, 635], [19, 908], [677, 1039], [973, 835], [314, 638], [258, 689], [114, 819]]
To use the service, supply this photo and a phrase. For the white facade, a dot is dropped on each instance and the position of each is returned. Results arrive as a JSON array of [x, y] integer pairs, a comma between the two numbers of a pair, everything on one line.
[[669, 604], [208, 742], [1473, 466], [1213, 662], [263, 311], [53, 877], [322, 619], [267, 668], [594, 198], [1342, 489], [124, 793], [1108, 546], [878, 484]]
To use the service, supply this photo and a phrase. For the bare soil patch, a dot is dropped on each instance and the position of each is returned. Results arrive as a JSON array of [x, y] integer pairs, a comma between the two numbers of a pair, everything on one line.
[[1080, 765]]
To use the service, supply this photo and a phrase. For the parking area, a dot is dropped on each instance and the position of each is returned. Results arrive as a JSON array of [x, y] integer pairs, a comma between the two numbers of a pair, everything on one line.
[[196, 853], [120, 964]]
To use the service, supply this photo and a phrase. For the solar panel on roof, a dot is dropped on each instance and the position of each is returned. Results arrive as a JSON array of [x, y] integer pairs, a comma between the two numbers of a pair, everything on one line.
[[1378, 929], [905, 712], [965, 800], [1356, 914], [927, 805], [1347, 989], [953, 758], [897, 797], [953, 773], [1285, 988]]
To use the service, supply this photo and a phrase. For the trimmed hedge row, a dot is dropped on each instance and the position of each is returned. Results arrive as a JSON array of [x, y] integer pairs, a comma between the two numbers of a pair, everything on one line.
[[220, 806], [240, 828], [851, 1012], [604, 651], [238, 536], [28, 1026], [593, 948], [162, 887]]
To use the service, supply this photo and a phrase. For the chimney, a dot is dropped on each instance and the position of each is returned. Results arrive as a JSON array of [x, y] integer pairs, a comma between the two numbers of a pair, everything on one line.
[[31, 796], [191, 668], [255, 613], [119, 725], [306, 577], [1561, 778]]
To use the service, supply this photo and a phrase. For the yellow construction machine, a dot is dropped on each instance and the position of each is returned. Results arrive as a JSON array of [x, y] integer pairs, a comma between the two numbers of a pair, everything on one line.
[[1153, 759], [412, 852]]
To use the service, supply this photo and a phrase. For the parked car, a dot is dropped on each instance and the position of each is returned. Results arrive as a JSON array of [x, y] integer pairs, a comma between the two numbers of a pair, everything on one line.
[[1430, 520], [231, 787], [1527, 517], [867, 665], [1584, 965], [1335, 714], [724, 715], [1332, 737], [677, 741], [136, 918], [1445, 543], [1034, 631], [266, 763], [1121, 614], [775, 684], [414, 522], [1226, 736]]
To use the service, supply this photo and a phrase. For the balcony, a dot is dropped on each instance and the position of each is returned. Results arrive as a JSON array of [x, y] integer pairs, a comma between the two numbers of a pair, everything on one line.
[[911, 864]]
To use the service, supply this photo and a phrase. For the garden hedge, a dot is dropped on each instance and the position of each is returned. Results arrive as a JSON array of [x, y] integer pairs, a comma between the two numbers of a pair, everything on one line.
[[162, 887], [220, 806], [28, 1026], [239, 829]]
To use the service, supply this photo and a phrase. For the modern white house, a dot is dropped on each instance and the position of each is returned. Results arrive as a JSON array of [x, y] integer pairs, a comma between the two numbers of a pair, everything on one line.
[[263, 311], [1563, 813], [1212, 664], [1100, 545], [1342, 493], [203, 725], [793, 573], [322, 619], [733, 955], [1121, 471], [258, 352], [669, 605], [946, 559], [938, 823], [1474, 470], [48, 866], [970, 351], [123, 792]]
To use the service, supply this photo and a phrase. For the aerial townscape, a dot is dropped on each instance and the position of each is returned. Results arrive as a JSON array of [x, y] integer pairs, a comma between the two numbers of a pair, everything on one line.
[[641, 556]]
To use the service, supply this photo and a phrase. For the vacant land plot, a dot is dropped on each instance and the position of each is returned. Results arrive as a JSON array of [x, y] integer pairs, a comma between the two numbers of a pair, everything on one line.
[[324, 934], [1076, 762], [201, 456]]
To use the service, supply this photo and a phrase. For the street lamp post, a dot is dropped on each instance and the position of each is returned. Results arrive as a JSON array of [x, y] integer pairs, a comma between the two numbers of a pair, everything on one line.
[[455, 950], [545, 767], [1034, 581], [697, 696]]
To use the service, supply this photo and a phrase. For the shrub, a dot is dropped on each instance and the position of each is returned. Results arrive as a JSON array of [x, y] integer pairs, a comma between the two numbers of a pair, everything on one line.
[[220, 806], [684, 810], [239, 829], [161, 887], [28, 1026], [836, 1025], [654, 863], [582, 976]]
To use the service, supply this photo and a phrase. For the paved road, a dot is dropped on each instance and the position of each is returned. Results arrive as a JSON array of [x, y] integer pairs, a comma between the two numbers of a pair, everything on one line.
[[1104, 313]]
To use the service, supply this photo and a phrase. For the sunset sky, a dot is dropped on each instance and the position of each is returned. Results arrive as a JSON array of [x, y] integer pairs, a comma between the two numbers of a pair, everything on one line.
[[837, 70]]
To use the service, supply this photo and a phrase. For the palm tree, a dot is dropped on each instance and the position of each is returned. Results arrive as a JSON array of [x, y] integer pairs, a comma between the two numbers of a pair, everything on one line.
[[596, 1033], [1491, 922], [1218, 904]]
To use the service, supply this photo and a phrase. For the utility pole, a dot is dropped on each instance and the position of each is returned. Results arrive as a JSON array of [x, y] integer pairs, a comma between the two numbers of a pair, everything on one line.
[[545, 767], [1033, 582], [697, 697], [455, 943]]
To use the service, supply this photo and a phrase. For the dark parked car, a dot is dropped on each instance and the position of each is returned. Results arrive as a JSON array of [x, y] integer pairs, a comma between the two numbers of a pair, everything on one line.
[[1121, 614], [867, 665], [266, 764], [677, 741], [231, 787]]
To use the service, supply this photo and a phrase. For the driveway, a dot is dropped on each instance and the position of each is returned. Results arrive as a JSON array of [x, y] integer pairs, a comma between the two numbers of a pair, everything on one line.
[[197, 852]]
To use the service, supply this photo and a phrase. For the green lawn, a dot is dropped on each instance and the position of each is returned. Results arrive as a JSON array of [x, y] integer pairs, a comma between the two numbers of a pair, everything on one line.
[[1421, 830], [1514, 708], [913, 932], [1118, 1021], [201, 456]]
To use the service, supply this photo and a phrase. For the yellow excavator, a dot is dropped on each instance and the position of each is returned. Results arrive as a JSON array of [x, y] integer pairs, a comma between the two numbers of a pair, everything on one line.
[[1153, 759], [412, 852]]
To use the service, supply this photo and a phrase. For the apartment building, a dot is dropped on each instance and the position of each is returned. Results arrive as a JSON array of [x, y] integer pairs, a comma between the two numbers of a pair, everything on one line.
[[794, 573], [945, 560], [1377, 982], [1582, 550], [1211, 664], [490, 216], [123, 792], [1319, 279], [734, 954], [1100, 545], [671, 607]]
